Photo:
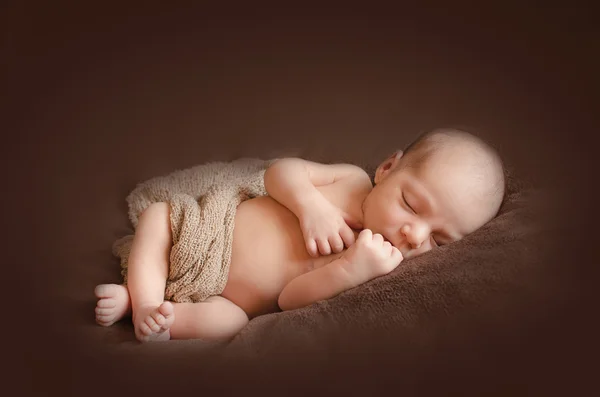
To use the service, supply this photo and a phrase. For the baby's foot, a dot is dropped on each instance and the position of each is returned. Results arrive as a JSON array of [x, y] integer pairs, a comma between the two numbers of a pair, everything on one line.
[[113, 303], [153, 323]]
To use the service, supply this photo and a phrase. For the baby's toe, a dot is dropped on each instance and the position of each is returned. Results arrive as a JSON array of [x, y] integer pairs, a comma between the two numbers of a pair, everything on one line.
[[145, 329], [105, 290], [141, 336], [107, 303], [166, 309], [159, 318], [152, 324], [104, 317], [103, 311], [100, 291], [104, 320]]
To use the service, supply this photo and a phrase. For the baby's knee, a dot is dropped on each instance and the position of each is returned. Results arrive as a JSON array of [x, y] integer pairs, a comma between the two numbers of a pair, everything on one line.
[[159, 211], [156, 217], [161, 207]]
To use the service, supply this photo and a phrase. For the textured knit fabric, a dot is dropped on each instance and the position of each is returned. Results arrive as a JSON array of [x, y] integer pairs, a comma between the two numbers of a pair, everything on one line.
[[203, 202]]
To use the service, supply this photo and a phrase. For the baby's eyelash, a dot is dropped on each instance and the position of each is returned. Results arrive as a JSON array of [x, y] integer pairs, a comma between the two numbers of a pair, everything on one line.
[[406, 202]]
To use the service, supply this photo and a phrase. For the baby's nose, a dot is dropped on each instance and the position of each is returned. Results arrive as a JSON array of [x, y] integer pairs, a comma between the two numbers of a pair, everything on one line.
[[413, 235]]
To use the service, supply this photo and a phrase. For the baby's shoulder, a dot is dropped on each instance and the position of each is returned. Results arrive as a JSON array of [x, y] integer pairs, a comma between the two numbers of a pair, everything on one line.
[[353, 178], [358, 172]]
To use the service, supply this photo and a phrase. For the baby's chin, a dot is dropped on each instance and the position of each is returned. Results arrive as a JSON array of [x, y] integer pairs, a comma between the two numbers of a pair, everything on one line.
[[406, 255], [413, 253]]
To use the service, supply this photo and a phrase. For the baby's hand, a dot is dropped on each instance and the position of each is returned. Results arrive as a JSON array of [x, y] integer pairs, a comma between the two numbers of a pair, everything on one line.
[[370, 257], [326, 229]]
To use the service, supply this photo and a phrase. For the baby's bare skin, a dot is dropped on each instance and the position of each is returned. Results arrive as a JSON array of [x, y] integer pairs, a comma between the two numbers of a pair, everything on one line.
[[269, 248], [268, 252], [295, 246]]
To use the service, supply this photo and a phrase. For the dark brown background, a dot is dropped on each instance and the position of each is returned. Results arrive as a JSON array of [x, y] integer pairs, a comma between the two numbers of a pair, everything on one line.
[[100, 98]]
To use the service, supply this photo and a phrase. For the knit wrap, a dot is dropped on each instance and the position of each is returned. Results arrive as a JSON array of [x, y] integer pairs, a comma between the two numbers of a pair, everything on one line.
[[203, 201]]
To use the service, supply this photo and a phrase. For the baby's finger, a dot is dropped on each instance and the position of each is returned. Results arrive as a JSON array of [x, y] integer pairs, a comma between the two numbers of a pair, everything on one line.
[[336, 243], [311, 247], [378, 238], [347, 236], [365, 235], [396, 255], [324, 247], [387, 247]]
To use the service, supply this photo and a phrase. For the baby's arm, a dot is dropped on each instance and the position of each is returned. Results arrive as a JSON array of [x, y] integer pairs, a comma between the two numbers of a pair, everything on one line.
[[319, 284], [368, 258], [293, 183]]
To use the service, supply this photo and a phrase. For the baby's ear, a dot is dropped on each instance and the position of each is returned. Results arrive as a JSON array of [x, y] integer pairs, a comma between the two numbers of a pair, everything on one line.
[[388, 164], [397, 156]]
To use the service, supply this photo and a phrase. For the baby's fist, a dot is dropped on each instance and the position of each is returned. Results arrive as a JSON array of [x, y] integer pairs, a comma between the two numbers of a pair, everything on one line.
[[370, 257]]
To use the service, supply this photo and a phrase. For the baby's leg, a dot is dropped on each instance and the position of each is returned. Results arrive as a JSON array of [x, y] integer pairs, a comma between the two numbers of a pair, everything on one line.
[[215, 318], [147, 273]]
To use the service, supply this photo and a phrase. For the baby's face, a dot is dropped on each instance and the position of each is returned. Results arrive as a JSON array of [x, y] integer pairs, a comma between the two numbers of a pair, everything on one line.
[[418, 209]]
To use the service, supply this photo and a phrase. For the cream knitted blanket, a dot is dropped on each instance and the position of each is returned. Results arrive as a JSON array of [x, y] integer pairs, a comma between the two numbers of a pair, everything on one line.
[[203, 201]]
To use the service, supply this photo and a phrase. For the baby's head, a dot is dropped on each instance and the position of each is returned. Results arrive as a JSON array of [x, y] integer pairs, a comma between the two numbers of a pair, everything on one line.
[[443, 186]]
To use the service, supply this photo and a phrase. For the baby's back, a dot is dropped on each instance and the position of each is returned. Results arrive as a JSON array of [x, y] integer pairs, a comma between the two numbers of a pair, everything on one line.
[[269, 251]]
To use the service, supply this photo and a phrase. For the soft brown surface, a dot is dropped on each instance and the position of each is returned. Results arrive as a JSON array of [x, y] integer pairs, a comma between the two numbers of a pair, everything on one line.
[[102, 99]]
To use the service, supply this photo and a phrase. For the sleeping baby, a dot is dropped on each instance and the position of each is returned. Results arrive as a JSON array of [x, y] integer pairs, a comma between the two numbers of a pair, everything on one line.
[[320, 230]]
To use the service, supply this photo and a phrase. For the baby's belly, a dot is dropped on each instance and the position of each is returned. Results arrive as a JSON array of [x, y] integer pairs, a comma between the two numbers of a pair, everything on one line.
[[268, 252]]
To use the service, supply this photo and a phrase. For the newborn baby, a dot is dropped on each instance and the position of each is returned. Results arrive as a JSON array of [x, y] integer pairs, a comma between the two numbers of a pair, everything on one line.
[[300, 243]]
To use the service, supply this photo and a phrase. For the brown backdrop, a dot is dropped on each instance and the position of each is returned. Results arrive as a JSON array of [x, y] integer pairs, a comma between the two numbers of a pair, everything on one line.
[[100, 98]]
